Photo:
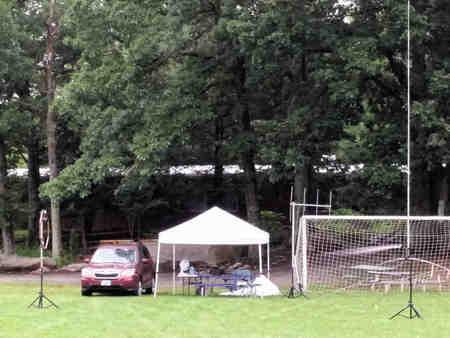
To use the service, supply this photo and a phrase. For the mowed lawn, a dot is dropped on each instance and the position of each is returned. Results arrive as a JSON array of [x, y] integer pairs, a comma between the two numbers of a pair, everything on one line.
[[358, 314]]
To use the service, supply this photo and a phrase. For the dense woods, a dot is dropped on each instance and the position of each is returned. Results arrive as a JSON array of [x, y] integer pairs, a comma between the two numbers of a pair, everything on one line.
[[110, 95]]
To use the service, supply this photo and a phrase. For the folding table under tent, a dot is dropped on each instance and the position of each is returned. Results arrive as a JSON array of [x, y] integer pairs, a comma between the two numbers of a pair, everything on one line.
[[213, 227]]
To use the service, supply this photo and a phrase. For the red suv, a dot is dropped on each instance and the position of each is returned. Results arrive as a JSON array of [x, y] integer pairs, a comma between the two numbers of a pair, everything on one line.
[[119, 267]]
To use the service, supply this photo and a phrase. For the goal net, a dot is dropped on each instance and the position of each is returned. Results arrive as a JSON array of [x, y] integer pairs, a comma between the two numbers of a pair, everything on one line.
[[371, 252]]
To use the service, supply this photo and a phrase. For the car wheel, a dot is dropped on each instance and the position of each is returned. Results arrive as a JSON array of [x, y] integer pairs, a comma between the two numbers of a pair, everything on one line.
[[86, 293], [138, 291]]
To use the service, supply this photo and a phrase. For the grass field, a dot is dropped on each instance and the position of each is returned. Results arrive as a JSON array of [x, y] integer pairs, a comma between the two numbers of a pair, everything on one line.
[[353, 315]]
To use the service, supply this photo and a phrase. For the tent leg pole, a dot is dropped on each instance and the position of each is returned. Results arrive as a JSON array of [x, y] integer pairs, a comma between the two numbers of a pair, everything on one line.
[[157, 270], [260, 259], [268, 260], [173, 269]]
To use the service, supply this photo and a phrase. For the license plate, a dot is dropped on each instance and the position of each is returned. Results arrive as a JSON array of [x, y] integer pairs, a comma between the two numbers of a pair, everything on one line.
[[105, 283]]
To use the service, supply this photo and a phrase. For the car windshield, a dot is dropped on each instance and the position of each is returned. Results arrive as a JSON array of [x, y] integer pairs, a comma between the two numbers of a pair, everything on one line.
[[114, 255]]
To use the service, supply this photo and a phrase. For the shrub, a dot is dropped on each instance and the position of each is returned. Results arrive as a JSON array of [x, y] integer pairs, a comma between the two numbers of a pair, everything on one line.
[[346, 212], [277, 226]]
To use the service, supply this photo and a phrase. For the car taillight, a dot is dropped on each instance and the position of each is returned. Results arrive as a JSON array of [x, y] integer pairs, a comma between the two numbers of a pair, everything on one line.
[[128, 273]]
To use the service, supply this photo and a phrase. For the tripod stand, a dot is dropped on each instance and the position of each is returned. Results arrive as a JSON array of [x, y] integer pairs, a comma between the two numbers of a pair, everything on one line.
[[413, 313], [39, 300]]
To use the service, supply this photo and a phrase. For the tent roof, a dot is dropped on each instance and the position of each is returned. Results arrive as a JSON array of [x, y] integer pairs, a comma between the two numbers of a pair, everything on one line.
[[214, 227]]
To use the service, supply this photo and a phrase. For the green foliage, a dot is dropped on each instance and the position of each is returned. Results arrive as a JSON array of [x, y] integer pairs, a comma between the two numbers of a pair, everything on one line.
[[65, 258], [76, 179], [377, 59], [20, 235], [277, 226], [346, 212], [155, 84], [113, 99], [22, 250]]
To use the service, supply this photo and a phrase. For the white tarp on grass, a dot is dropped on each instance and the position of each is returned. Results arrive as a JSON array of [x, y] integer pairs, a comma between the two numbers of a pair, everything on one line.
[[262, 287]]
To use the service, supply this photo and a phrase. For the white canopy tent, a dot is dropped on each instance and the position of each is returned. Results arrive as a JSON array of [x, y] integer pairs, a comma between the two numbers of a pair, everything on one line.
[[213, 227]]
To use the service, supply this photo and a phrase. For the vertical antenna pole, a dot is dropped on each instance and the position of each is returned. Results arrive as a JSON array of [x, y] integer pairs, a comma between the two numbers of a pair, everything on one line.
[[331, 197], [293, 220], [290, 203], [408, 207], [304, 200], [317, 202], [413, 313]]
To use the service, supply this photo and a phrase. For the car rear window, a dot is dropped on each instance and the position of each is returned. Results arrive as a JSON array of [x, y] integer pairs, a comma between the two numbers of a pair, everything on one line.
[[114, 255]]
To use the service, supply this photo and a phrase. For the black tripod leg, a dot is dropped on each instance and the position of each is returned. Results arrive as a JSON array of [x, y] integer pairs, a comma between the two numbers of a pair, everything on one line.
[[35, 300], [41, 297], [301, 291], [48, 300], [293, 292], [410, 305], [412, 310], [399, 313], [417, 314], [40, 301]]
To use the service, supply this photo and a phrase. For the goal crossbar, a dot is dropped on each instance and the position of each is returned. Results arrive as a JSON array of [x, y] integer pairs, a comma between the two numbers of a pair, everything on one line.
[[400, 218]]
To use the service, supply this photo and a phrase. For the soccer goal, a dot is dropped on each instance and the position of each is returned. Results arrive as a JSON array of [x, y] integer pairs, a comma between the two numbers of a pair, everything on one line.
[[372, 252]]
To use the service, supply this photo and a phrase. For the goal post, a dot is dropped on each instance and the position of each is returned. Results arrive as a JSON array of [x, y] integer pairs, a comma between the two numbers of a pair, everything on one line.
[[357, 252]]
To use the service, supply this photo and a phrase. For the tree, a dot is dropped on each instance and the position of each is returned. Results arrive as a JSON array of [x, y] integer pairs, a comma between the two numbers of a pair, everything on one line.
[[290, 83], [112, 96], [378, 62], [29, 105], [24, 94], [12, 58], [218, 76], [303, 90], [52, 31], [221, 60]]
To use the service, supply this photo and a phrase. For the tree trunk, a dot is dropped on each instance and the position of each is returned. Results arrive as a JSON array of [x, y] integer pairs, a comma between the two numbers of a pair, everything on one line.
[[82, 222], [6, 226], [247, 146], [217, 194], [52, 29], [250, 181], [33, 189], [442, 191], [302, 181], [421, 194], [251, 196]]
